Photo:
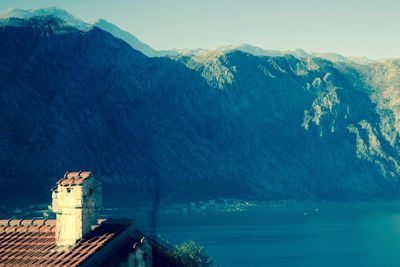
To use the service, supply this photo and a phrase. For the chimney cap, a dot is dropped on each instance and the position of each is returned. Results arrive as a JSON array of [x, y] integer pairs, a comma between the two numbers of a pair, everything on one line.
[[74, 178]]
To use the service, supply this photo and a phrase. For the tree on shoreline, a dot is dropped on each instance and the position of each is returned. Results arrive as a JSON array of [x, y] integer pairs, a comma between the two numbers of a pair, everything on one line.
[[192, 254]]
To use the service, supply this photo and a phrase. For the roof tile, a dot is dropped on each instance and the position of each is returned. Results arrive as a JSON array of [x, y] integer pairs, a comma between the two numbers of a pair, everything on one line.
[[32, 243], [74, 178]]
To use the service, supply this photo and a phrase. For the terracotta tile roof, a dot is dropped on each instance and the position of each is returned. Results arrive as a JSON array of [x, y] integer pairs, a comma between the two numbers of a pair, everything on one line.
[[32, 243], [74, 178]]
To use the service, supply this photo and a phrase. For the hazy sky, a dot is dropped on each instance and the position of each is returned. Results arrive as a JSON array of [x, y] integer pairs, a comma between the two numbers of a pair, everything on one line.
[[350, 27]]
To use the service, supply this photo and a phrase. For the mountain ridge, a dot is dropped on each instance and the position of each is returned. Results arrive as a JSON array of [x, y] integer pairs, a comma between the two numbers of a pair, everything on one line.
[[228, 124], [149, 51], [81, 25]]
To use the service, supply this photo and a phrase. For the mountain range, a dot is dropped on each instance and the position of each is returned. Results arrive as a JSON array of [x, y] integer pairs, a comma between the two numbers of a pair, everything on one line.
[[149, 51], [235, 121]]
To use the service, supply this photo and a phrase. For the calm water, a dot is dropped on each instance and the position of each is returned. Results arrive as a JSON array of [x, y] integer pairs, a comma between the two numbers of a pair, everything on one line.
[[311, 234]]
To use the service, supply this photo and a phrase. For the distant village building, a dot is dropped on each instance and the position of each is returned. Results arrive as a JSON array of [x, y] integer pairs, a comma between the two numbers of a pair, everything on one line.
[[77, 237]]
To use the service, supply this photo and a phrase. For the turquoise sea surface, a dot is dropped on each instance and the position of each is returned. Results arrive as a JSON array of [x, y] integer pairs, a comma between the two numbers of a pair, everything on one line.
[[285, 234]]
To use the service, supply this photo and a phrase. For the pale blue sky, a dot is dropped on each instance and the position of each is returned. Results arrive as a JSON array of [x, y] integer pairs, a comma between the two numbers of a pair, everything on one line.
[[350, 27]]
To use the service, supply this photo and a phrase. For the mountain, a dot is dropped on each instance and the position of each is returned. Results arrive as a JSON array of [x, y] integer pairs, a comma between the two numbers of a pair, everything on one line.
[[323, 128], [81, 25], [51, 11], [220, 123], [97, 104], [127, 37], [150, 52], [247, 48], [300, 53], [257, 51]]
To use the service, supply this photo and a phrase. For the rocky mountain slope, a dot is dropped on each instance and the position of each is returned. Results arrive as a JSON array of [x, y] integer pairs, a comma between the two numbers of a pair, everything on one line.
[[327, 120], [222, 123]]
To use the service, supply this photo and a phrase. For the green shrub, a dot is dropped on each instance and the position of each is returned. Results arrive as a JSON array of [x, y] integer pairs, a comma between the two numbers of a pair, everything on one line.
[[192, 255]]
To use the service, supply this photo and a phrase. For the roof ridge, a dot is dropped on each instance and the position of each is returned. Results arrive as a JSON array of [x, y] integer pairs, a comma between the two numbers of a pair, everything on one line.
[[74, 178], [27, 222]]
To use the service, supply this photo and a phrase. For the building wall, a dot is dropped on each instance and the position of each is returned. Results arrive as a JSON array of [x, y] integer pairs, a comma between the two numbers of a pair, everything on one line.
[[141, 257]]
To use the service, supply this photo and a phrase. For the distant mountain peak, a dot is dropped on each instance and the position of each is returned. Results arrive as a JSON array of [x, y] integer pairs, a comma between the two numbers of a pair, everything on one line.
[[258, 51], [81, 25], [126, 36], [47, 24], [99, 21], [50, 11]]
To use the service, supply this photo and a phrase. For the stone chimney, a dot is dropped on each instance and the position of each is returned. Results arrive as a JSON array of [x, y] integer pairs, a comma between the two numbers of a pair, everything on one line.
[[77, 200]]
